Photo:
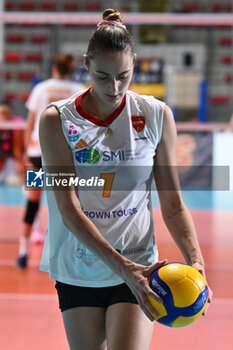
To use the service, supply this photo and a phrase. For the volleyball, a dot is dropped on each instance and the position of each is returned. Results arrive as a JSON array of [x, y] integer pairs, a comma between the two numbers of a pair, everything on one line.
[[184, 292]]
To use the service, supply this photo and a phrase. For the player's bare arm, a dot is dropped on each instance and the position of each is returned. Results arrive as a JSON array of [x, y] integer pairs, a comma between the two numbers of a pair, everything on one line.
[[174, 211], [175, 214]]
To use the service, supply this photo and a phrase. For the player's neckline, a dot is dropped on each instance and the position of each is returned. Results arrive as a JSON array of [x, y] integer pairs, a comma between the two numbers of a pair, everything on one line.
[[94, 119]]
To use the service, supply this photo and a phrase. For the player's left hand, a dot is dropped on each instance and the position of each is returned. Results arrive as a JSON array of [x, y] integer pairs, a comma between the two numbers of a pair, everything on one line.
[[199, 267]]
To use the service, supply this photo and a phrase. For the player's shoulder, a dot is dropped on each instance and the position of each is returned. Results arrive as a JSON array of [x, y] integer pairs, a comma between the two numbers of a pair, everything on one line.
[[49, 113], [145, 102], [49, 119]]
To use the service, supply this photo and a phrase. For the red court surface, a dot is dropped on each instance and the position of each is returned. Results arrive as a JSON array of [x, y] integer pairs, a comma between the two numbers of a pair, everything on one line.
[[30, 318]]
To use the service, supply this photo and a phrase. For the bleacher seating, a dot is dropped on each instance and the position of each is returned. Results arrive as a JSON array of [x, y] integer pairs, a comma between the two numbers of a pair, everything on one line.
[[39, 38], [21, 62], [71, 6], [33, 57], [27, 6], [229, 78], [9, 6], [223, 26], [229, 7], [23, 96], [12, 57], [6, 75], [27, 45], [219, 99], [225, 41], [227, 59], [15, 38], [48, 6], [17, 57], [28, 24], [25, 75], [9, 96], [92, 6], [217, 7], [191, 6]]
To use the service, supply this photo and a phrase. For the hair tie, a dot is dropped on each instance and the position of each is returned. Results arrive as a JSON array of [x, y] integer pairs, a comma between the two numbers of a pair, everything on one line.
[[111, 23]]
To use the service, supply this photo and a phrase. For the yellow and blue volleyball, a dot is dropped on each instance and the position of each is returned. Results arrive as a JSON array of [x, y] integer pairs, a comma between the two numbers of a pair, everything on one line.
[[184, 292]]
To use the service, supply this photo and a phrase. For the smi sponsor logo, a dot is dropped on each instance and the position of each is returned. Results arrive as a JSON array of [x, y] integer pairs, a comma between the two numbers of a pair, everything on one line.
[[85, 154], [121, 155], [110, 155], [93, 156]]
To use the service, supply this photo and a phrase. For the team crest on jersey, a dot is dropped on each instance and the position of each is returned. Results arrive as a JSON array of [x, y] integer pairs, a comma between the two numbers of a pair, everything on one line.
[[138, 122]]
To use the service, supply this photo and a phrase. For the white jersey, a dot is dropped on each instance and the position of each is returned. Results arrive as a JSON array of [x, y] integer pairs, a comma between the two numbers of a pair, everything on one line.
[[122, 211], [41, 95]]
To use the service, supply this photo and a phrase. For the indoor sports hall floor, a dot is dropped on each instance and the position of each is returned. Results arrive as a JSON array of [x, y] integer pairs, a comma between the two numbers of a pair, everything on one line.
[[29, 315]]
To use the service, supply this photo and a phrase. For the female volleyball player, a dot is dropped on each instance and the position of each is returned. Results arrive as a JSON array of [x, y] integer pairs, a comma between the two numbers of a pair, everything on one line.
[[59, 86], [100, 244]]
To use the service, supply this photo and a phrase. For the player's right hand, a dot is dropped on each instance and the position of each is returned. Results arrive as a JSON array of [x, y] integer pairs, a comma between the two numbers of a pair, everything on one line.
[[136, 277]]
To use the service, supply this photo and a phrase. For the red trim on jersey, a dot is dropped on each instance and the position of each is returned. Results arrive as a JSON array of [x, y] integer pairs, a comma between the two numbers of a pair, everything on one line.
[[94, 119]]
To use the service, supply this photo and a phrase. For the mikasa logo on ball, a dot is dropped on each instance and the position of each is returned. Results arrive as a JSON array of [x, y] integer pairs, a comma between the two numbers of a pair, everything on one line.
[[160, 289]]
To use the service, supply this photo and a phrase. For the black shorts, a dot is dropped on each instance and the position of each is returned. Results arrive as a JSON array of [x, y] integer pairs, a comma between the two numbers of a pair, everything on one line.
[[74, 296], [36, 161]]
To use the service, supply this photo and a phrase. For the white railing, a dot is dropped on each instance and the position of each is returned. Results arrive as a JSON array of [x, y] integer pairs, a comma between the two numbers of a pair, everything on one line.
[[91, 18]]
